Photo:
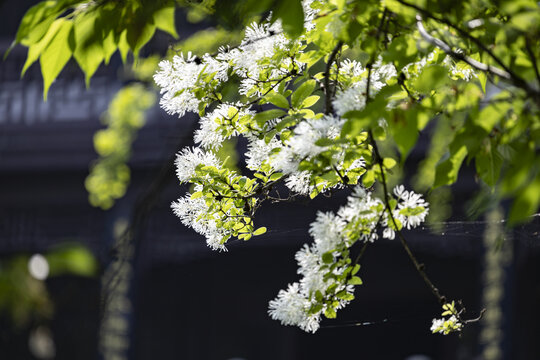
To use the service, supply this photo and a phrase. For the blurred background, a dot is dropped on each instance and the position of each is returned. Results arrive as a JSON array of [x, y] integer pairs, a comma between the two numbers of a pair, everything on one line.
[[94, 265]]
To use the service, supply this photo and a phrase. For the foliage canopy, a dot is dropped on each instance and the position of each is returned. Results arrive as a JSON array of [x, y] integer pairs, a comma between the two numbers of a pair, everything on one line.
[[331, 95]]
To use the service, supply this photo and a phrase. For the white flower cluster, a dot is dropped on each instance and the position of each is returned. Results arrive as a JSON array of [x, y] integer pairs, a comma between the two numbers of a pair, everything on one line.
[[458, 70], [333, 233], [353, 95], [260, 42], [302, 146], [193, 213], [450, 324], [178, 79], [191, 84], [412, 209], [221, 124], [293, 144], [294, 305], [309, 14], [188, 159], [446, 326]]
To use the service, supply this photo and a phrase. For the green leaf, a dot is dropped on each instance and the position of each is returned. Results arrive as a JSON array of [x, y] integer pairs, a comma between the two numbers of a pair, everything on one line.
[[123, 46], [526, 202], [262, 117], [36, 22], [275, 176], [315, 308], [403, 126], [355, 280], [140, 33], [292, 16], [35, 50], [332, 288], [164, 20], [310, 101], [109, 46], [401, 51], [88, 51], [107, 27], [303, 91], [72, 259], [327, 257], [196, 195], [447, 171], [482, 78], [286, 122], [330, 313], [344, 295], [259, 231], [488, 163], [389, 163], [368, 179], [492, 114], [278, 100], [361, 120], [432, 78], [56, 55], [245, 237]]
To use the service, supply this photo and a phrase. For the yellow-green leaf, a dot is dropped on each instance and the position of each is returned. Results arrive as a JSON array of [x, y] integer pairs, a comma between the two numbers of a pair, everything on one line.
[[109, 46], [35, 50], [123, 46], [88, 51], [310, 101], [278, 100], [303, 91], [36, 22], [259, 231], [164, 20], [56, 55]]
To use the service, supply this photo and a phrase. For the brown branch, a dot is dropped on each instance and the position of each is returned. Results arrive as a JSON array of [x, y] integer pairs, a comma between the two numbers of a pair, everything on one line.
[[505, 72], [420, 268], [328, 92], [462, 32], [533, 59], [459, 55], [476, 319]]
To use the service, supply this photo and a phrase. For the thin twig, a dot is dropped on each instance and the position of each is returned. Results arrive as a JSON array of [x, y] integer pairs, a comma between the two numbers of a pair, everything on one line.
[[419, 267], [533, 59], [328, 104], [476, 319]]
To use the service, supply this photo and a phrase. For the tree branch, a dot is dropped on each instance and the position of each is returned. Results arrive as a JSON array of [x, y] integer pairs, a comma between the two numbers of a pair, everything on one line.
[[533, 59], [505, 72], [328, 92], [459, 55], [419, 267]]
